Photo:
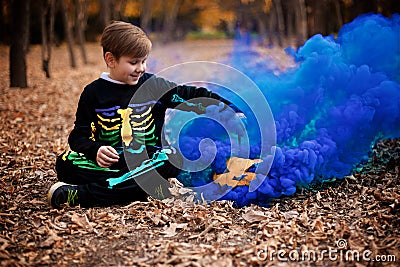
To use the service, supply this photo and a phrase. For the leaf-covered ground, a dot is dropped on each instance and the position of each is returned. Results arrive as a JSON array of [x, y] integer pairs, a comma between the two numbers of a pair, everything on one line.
[[345, 223]]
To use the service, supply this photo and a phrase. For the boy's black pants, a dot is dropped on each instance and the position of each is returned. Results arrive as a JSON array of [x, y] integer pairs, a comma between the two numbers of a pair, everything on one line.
[[94, 189]]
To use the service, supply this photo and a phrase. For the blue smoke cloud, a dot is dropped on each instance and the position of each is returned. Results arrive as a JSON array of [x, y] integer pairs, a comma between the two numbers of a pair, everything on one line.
[[342, 97]]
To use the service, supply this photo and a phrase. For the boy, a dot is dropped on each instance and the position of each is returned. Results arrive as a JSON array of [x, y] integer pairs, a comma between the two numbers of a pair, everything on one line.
[[95, 173]]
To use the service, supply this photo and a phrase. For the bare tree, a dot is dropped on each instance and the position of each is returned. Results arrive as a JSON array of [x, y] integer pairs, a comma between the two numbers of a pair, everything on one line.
[[171, 8], [301, 22], [19, 43], [118, 9], [262, 28], [295, 21], [290, 17], [145, 14], [68, 32], [338, 13], [105, 13], [276, 25], [47, 25], [259, 8], [80, 26]]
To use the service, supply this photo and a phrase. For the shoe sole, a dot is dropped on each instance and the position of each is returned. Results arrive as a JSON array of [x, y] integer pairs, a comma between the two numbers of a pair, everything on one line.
[[52, 189]]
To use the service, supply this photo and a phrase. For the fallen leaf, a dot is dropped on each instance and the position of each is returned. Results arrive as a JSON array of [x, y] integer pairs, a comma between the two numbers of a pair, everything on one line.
[[290, 214], [254, 216], [171, 230], [82, 221], [51, 239]]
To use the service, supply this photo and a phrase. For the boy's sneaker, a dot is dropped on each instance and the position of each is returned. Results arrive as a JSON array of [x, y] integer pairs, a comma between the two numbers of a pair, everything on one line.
[[62, 193]]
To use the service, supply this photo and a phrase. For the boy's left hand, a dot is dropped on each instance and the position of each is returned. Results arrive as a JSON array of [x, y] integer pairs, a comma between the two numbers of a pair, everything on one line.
[[106, 156]]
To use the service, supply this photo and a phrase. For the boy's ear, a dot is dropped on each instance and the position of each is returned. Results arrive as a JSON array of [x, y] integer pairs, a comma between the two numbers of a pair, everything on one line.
[[109, 59]]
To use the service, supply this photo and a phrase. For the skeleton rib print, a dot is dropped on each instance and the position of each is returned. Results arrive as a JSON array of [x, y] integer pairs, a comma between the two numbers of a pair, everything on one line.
[[135, 124]]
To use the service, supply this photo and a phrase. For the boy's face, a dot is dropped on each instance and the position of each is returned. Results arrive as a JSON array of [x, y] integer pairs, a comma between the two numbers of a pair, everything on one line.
[[127, 69]]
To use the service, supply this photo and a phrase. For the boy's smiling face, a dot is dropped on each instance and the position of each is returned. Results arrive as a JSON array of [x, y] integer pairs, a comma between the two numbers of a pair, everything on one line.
[[126, 69]]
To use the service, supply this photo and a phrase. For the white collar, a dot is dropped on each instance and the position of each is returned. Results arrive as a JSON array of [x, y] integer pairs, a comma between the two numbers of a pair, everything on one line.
[[106, 76]]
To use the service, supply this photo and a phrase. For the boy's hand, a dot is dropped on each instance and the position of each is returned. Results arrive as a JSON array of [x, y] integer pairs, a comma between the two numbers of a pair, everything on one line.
[[106, 156]]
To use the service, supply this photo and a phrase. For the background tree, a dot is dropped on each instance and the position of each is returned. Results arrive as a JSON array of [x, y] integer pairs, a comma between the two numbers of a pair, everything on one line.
[[276, 24], [146, 14], [20, 11], [118, 8], [68, 32], [295, 20], [80, 26], [104, 14], [171, 8], [47, 17], [5, 21], [272, 22]]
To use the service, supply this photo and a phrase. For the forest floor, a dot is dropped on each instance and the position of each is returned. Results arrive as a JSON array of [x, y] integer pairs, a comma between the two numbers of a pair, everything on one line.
[[350, 222]]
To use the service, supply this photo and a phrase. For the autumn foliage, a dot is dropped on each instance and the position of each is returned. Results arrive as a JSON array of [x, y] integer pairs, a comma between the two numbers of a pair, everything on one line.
[[362, 210]]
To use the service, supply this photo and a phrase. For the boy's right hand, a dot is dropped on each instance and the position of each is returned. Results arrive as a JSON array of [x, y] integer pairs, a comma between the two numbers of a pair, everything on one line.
[[106, 156]]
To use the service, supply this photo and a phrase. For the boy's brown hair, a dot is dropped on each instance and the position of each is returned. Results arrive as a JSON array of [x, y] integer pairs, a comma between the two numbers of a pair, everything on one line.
[[125, 39]]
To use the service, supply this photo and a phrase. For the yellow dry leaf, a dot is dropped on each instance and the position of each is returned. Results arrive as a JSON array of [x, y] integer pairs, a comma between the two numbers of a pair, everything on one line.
[[237, 174]]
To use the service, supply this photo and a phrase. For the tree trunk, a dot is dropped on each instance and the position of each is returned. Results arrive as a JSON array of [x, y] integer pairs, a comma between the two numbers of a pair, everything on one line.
[[68, 32], [301, 22], [319, 17], [271, 27], [170, 15], [280, 22], [145, 15], [262, 29], [80, 26], [47, 26], [19, 43], [338, 13], [117, 9], [276, 23], [105, 13], [290, 15]]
